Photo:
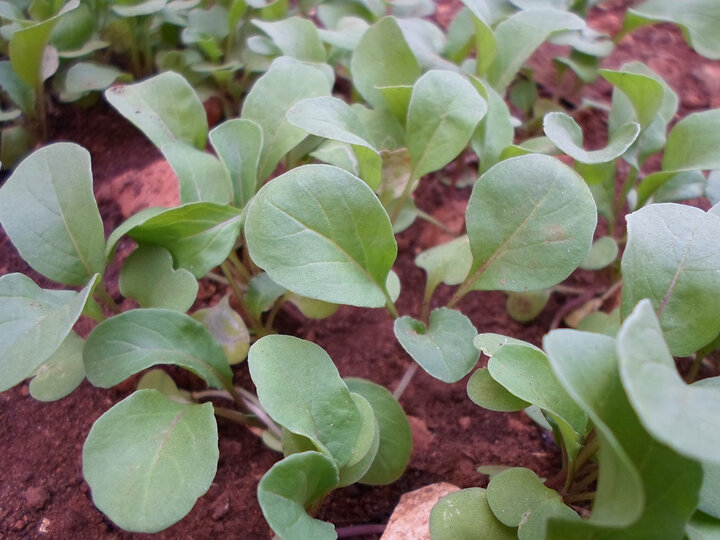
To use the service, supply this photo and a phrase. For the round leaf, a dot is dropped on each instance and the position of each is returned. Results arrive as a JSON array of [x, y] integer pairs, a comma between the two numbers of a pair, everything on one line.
[[603, 253], [228, 329], [148, 459], [486, 392], [525, 306], [366, 446], [465, 514], [61, 373]]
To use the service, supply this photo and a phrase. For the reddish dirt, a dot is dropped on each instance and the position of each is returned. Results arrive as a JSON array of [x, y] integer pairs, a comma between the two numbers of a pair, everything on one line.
[[43, 494]]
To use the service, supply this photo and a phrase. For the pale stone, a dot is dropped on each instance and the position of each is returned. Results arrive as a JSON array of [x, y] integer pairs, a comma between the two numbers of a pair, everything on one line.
[[411, 518]]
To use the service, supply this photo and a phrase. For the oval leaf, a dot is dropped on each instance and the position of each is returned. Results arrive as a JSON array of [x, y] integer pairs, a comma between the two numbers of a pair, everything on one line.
[[486, 392], [148, 459], [61, 373], [228, 329], [466, 514]]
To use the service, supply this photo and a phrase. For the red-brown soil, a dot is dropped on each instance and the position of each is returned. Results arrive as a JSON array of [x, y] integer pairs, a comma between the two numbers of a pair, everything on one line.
[[43, 494]]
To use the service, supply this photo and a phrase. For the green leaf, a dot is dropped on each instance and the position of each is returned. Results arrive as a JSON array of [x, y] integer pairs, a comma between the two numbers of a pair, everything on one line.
[[518, 498], [518, 36], [311, 308], [300, 388], [16, 142], [710, 491], [603, 253], [382, 58], [671, 257], [525, 306], [148, 459], [443, 112], [490, 343], [138, 339], [139, 9], [466, 514], [530, 221], [62, 373], [295, 37], [486, 392], [332, 118], [200, 235], [88, 76], [567, 135], [681, 416], [693, 142], [447, 263], [202, 176], [395, 446], [157, 379], [262, 293], [444, 348], [321, 232], [228, 329], [495, 131], [48, 210], [397, 99], [33, 324], [696, 17], [366, 445], [148, 276], [18, 91], [291, 486], [268, 101], [165, 108], [703, 527], [644, 92], [634, 498], [238, 144]]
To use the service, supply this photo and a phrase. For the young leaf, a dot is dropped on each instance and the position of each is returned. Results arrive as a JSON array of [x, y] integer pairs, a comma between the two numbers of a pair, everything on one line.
[[382, 58], [681, 416], [530, 221], [644, 92], [291, 486], [238, 144], [564, 132], [228, 329], [322, 233], [447, 263], [165, 108], [148, 459], [465, 514], [268, 101], [34, 322], [518, 498], [148, 276], [158, 379], [672, 258], [366, 445], [48, 210], [693, 142], [703, 527], [443, 112], [518, 36], [525, 306], [262, 293], [18, 91], [61, 373], [495, 131], [300, 388], [486, 392], [490, 343], [444, 348], [395, 445], [132, 341], [200, 236], [85, 77], [295, 37], [634, 497], [202, 176], [603, 253]]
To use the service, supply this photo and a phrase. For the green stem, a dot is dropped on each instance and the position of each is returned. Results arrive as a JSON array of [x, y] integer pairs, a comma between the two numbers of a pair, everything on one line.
[[134, 50], [427, 299], [255, 325], [40, 109], [590, 448], [627, 185], [580, 497], [274, 311], [390, 306], [240, 267], [402, 199], [439, 224], [101, 291], [236, 416]]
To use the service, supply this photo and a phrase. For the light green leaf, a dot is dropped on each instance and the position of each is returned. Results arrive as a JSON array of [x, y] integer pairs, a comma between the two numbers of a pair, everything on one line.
[[444, 347], [148, 276], [134, 340], [268, 101], [447, 263], [199, 235], [139, 9], [228, 329], [202, 176], [238, 144], [693, 143], [443, 112], [530, 221], [165, 108], [62, 373], [291, 486], [603, 253], [489, 343], [567, 135], [696, 17], [525, 306], [157, 379], [88, 76], [397, 99], [486, 392], [681, 416], [466, 514], [395, 446], [148, 459], [601, 322], [321, 232], [311, 308], [18, 91], [16, 142], [366, 445], [332, 118], [300, 388], [703, 527], [48, 210], [710, 491], [262, 293], [495, 131], [644, 92], [635, 498], [518, 498], [382, 58], [671, 257], [33, 324], [518, 36], [295, 37]]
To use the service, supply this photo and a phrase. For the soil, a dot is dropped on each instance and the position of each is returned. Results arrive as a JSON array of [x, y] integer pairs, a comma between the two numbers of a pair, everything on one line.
[[43, 493]]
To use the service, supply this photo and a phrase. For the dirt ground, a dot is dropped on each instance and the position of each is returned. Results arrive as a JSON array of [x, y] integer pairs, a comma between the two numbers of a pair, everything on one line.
[[43, 494]]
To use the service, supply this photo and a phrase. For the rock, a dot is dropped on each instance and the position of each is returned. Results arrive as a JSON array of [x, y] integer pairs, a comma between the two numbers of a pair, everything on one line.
[[220, 507], [465, 422], [411, 518], [422, 437], [36, 497]]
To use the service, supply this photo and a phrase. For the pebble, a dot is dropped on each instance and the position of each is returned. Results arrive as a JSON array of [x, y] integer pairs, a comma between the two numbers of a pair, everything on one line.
[[465, 422], [37, 497]]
